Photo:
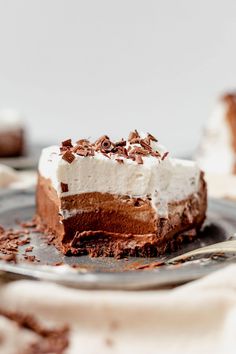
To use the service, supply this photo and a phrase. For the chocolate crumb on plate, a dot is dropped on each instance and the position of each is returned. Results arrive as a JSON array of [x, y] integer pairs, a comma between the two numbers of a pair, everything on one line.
[[9, 258], [31, 258], [29, 249], [50, 340]]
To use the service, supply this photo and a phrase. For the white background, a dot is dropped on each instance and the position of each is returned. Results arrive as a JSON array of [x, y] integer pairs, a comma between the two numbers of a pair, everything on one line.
[[79, 68]]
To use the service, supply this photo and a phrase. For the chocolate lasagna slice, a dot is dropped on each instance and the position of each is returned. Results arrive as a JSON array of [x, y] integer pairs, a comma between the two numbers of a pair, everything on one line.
[[118, 198], [217, 151]]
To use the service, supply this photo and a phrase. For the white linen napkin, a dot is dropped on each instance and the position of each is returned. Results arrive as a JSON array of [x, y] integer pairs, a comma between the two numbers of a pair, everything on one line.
[[199, 317]]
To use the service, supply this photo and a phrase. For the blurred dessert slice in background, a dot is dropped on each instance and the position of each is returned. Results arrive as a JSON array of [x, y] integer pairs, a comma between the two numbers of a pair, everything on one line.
[[217, 151], [12, 134], [216, 154]]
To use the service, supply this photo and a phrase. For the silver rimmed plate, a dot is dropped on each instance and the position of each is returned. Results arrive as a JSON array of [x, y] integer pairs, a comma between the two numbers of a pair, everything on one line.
[[109, 273]]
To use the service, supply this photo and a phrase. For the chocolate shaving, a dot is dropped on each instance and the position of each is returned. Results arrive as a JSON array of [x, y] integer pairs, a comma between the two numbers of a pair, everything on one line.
[[9, 258], [135, 146], [91, 152], [139, 159], [57, 264], [121, 151], [66, 143], [23, 241], [120, 161], [68, 156], [76, 147], [104, 144], [151, 137], [132, 156], [84, 142], [29, 249], [30, 258], [121, 143], [63, 149], [140, 151], [10, 241], [147, 140], [83, 150], [135, 141], [155, 154], [64, 187], [50, 341], [165, 155], [97, 143], [133, 135], [106, 155], [145, 145]]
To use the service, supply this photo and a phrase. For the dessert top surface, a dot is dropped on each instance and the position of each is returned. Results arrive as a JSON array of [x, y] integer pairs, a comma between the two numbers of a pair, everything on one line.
[[138, 167], [138, 148]]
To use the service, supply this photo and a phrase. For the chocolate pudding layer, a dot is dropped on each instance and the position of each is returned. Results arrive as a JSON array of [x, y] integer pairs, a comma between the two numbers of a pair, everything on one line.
[[103, 224]]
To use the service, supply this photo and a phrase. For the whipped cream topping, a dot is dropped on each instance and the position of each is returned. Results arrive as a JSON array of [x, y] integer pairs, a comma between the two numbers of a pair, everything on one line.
[[216, 154], [162, 180], [10, 120]]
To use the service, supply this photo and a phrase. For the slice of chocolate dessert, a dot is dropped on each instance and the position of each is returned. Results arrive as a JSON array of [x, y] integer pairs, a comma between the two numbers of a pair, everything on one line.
[[12, 137], [217, 151], [118, 198]]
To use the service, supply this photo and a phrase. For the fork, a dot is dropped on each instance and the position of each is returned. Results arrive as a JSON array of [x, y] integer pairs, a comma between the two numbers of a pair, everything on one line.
[[224, 247]]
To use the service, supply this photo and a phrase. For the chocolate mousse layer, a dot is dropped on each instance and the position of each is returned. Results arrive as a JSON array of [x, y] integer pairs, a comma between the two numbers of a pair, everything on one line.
[[102, 224]]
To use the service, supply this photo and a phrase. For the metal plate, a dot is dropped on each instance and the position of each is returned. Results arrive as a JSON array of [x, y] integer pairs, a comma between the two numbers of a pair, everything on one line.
[[109, 273]]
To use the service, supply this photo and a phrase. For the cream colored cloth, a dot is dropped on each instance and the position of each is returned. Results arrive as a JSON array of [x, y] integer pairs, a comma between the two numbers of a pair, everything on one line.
[[221, 186], [12, 179], [199, 317], [196, 318]]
